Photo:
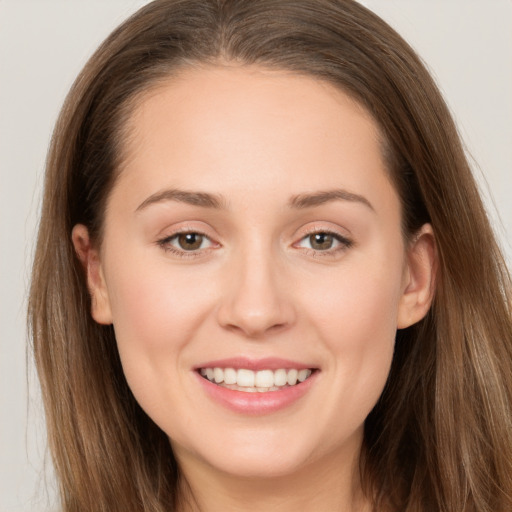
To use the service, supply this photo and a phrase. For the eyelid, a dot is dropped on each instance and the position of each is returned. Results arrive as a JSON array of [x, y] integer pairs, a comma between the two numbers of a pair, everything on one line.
[[164, 242], [344, 242]]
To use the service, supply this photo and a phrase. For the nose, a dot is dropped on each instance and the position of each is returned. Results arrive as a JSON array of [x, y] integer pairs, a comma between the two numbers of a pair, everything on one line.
[[257, 297]]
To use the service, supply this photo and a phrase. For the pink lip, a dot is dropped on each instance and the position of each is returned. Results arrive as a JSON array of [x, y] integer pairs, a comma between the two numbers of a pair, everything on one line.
[[256, 403], [269, 363]]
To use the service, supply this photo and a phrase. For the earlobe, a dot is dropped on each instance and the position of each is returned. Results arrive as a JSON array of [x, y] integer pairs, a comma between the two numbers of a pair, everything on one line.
[[420, 278], [90, 259]]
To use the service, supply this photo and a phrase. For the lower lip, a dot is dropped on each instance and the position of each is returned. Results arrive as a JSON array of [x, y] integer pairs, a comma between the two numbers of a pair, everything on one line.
[[257, 403]]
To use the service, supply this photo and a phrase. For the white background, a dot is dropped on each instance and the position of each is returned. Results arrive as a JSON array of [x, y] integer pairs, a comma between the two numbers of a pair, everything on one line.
[[43, 45]]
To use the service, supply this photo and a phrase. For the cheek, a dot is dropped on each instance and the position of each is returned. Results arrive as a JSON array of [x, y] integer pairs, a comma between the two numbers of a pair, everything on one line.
[[357, 319], [360, 304], [155, 314], [152, 306]]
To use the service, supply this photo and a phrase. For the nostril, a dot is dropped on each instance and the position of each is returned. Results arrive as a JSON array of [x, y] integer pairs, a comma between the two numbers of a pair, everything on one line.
[[255, 305]]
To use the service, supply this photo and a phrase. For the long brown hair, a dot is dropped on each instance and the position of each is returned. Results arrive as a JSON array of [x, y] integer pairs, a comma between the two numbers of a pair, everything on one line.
[[440, 437]]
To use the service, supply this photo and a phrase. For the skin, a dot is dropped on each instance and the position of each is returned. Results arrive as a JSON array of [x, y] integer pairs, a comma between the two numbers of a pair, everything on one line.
[[256, 287]]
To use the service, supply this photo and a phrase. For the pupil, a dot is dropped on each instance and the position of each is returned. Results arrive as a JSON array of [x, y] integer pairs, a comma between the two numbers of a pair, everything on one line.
[[321, 241], [190, 241]]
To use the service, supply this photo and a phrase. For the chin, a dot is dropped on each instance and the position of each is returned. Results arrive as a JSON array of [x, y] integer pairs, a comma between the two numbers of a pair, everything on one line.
[[257, 456], [247, 466]]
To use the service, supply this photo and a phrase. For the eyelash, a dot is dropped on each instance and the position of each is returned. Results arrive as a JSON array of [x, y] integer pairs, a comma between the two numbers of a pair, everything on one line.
[[165, 244], [344, 244]]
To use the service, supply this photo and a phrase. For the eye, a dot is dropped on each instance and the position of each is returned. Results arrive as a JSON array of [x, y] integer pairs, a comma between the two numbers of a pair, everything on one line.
[[186, 242], [189, 241], [324, 241], [320, 241]]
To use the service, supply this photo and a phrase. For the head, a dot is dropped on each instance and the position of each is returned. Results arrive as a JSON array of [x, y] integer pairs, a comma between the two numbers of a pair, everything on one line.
[[320, 49]]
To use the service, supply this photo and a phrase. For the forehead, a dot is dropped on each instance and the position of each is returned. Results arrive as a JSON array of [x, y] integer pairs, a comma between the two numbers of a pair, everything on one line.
[[233, 128], [211, 96]]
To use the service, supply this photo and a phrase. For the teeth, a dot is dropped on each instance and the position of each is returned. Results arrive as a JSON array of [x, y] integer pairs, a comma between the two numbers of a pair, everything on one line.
[[245, 378], [250, 381], [291, 378], [264, 379], [280, 377], [303, 375], [218, 375], [230, 376]]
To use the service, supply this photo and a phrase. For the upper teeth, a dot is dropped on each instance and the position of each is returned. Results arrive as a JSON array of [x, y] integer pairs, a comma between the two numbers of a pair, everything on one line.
[[261, 379]]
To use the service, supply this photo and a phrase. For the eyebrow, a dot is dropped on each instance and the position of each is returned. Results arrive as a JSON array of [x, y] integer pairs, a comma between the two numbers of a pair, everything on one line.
[[302, 201], [202, 199], [207, 200]]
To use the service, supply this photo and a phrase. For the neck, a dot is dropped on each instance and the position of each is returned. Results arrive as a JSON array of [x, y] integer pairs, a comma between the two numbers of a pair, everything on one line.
[[327, 484]]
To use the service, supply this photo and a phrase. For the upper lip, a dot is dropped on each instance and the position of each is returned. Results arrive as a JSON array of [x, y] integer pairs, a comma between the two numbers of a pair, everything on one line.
[[267, 363]]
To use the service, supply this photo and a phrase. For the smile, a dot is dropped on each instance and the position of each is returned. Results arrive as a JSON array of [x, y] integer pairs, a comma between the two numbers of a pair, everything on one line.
[[250, 381]]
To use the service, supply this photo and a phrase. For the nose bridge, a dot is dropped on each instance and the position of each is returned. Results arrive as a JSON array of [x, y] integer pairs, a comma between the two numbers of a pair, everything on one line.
[[256, 300]]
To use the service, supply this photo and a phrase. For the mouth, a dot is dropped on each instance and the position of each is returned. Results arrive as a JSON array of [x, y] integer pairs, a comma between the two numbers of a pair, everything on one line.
[[256, 386], [250, 381]]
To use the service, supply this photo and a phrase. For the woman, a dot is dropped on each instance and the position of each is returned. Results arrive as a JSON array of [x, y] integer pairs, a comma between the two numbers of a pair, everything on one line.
[[264, 276]]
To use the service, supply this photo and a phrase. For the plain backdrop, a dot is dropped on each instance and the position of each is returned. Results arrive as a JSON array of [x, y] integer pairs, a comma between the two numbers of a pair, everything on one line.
[[467, 44]]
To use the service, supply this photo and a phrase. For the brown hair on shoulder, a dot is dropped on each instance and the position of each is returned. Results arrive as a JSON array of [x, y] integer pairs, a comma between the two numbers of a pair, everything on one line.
[[440, 437]]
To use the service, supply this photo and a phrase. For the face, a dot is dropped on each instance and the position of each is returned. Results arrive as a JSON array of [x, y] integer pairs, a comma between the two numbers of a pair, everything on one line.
[[254, 268]]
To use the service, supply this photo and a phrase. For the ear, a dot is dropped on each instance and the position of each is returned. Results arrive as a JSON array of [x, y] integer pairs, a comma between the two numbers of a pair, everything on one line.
[[90, 259], [419, 278]]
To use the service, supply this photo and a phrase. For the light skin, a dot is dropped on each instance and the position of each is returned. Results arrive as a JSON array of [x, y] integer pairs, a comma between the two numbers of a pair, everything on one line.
[[301, 257]]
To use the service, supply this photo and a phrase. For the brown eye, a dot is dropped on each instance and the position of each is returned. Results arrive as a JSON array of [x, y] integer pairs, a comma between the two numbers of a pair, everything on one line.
[[190, 241], [324, 242], [187, 243], [321, 241]]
